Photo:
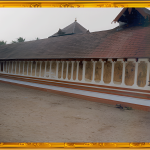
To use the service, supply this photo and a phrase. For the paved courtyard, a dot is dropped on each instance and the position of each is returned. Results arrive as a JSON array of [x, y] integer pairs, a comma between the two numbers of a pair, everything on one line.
[[28, 115]]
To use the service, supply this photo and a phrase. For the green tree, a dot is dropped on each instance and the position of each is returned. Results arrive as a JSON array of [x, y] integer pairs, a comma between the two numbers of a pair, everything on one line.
[[13, 42], [37, 38], [20, 39], [2, 42]]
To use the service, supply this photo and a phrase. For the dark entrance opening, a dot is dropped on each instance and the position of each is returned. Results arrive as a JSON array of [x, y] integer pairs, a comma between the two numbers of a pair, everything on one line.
[[1, 67]]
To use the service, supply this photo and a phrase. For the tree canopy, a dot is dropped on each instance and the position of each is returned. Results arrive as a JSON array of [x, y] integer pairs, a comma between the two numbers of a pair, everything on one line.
[[37, 38], [2, 42], [13, 42], [20, 39]]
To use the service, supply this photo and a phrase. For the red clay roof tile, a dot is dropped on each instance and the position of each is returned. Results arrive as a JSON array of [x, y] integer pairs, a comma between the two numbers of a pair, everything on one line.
[[131, 42]]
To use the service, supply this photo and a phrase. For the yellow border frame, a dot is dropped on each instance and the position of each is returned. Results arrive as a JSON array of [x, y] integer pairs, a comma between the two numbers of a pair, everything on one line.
[[73, 4], [75, 145]]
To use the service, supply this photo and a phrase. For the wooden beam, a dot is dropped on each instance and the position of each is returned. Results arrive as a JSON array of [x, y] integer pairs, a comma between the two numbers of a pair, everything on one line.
[[63, 59], [58, 59], [79, 59], [95, 59], [53, 59], [105, 60], [87, 59], [71, 59], [114, 59], [125, 59]]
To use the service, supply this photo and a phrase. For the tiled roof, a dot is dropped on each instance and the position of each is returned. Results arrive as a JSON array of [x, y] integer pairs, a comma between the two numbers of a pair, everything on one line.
[[143, 11], [74, 28], [133, 42]]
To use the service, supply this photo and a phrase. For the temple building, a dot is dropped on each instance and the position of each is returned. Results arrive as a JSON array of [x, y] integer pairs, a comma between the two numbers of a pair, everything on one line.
[[74, 28], [111, 66]]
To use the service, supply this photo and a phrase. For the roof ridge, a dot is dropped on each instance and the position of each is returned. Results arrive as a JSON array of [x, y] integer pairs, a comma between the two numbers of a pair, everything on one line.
[[101, 44], [74, 26]]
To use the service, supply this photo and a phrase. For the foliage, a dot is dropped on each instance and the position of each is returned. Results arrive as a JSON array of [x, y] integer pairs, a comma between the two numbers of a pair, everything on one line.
[[13, 42], [2, 42], [20, 39], [37, 38]]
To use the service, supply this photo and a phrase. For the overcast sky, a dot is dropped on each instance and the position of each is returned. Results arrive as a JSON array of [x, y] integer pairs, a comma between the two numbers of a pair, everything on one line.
[[31, 23]]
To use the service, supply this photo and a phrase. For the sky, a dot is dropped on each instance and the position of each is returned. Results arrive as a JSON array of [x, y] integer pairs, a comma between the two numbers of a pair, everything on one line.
[[31, 23]]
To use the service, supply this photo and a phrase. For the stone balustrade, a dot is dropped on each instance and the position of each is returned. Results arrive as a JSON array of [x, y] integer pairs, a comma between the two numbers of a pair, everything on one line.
[[132, 73]]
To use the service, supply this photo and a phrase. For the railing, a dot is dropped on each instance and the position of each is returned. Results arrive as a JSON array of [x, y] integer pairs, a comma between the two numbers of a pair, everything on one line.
[[10, 67]]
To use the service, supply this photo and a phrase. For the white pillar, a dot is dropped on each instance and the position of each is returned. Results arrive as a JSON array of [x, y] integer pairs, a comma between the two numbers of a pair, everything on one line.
[[77, 73], [83, 72], [72, 70], [123, 73], [57, 64], [23, 68], [3, 66], [62, 70], [93, 77], [50, 68], [45, 68], [9, 68], [19, 67], [147, 75], [112, 72], [135, 74], [35, 67], [2, 63], [12, 68], [31, 68], [40, 69], [67, 70], [0, 66], [102, 72], [27, 67], [6, 66], [15, 66]]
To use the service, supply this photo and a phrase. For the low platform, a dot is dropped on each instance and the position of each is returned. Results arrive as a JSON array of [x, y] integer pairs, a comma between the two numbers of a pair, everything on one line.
[[137, 99]]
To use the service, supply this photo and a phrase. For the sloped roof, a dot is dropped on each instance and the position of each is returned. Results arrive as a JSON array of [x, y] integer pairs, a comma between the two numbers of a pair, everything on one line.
[[147, 11], [143, 11], [73, 28], [133, 42]]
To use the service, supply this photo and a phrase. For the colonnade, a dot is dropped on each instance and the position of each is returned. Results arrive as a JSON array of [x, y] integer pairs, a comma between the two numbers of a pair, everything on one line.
[[10, 67]]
